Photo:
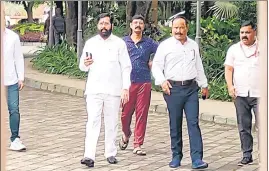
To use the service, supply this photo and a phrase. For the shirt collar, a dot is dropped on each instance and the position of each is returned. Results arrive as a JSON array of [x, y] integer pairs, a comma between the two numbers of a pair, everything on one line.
[[129, 39], [177, 41], [254, 44], [108, 39]]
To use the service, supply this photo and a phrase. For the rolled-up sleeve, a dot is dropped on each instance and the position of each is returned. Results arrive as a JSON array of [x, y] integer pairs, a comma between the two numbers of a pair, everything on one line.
[[19, 60], [126, 66], [82, 66], [158, 65], [201, 78]]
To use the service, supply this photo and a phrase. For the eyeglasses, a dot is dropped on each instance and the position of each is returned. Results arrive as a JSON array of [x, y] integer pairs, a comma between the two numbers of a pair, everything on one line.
[[104, 24]]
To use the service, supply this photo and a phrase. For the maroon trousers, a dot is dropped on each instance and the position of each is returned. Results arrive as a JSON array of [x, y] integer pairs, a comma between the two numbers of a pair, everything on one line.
[[139, 101]]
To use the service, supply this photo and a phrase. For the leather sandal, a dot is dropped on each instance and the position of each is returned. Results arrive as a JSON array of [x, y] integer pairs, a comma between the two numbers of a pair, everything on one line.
[[122, 144]]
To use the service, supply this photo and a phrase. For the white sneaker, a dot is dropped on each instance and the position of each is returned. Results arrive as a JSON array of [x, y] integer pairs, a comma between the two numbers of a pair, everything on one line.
[[17, 145]]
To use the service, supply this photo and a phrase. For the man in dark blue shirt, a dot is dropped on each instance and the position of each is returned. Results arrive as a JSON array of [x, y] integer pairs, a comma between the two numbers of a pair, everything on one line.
[[140, 49]]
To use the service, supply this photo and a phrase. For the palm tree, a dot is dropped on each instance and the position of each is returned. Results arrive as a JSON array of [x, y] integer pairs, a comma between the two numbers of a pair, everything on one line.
[[224, 10], [219, 9]]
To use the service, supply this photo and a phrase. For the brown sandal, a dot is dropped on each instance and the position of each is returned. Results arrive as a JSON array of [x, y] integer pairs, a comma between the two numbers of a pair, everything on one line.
[[122, 144]]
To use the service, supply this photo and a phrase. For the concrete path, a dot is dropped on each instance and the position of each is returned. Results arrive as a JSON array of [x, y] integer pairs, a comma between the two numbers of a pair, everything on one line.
[[210, 110], [53, 129]]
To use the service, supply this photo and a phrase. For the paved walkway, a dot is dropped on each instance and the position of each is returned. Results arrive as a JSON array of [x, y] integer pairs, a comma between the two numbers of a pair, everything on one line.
[[53, 129], [211, 110]]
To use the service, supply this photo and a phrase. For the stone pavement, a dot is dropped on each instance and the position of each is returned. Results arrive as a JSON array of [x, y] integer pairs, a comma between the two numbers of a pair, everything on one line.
[[53, 129], [210, 110]]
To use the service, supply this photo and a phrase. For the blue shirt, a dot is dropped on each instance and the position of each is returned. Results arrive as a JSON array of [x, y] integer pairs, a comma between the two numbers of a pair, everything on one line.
[[140, 55]]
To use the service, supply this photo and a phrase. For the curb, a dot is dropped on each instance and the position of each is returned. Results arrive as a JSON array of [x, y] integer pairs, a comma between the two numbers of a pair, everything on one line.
[[33, 44], [29, 55], [160, 109]]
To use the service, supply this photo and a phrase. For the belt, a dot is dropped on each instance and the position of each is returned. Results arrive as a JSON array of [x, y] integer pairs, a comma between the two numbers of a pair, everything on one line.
[[182, 83]]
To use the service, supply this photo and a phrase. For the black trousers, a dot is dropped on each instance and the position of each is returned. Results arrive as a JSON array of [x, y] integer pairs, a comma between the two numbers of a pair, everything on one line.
[[243, 106], [184, 98]]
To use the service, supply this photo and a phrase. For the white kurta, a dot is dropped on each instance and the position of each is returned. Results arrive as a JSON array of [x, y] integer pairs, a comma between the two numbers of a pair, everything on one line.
[[108, 76]]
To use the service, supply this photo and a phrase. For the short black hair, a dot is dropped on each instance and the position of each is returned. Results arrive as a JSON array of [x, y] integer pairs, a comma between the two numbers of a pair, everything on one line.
[[248, 23], [138, 17], [182, 17], [103, 15]]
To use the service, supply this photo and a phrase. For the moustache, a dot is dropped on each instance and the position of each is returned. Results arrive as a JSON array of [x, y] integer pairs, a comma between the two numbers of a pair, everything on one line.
[[103, 30], [179, 34], [138, 27], [245, 37]]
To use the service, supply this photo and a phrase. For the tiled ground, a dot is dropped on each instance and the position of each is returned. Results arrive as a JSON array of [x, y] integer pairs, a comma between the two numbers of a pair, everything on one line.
[[53, 129]]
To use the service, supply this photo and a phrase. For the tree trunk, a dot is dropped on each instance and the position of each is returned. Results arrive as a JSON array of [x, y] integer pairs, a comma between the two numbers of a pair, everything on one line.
[[143, 7], [130, 11], [84, 15], [168, 9], [188, 13], [154, 11], [71, 22], [29, 9]]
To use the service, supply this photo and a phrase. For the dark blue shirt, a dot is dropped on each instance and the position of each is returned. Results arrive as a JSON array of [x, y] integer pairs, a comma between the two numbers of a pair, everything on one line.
[[140, 55]]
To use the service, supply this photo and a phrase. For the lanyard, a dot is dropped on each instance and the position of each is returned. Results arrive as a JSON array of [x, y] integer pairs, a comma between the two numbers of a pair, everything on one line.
[[255, 54]]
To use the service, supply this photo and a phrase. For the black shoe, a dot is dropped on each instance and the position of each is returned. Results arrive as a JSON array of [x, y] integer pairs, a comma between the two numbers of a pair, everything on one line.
[[112, 160], [88, 162], [245, 161]]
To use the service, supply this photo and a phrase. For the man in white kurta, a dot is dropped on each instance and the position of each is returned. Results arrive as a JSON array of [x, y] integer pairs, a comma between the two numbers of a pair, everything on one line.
[[106, 58]]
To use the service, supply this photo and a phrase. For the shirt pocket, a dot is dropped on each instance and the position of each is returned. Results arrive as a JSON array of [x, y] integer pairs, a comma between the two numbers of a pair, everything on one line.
[[191, 55]]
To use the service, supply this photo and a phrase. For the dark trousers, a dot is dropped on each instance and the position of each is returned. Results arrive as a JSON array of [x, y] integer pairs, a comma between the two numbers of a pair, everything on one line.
[[13, 108], [139, 102], [243, 106], [184, 98], [57, 38]]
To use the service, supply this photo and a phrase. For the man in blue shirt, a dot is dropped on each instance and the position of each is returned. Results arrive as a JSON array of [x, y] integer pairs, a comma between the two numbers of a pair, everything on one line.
[[140, 49]]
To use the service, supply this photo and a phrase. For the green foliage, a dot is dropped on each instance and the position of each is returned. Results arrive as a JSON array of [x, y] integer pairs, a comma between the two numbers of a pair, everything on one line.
[[230, 28], [224, 10], [218, 90], [28, 27], [60, 59], [217, 37], [247, 10]]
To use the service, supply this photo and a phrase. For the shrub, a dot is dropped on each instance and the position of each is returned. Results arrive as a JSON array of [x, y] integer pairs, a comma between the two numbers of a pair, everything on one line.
[[29, 32], [59, 59], [27, 27], [31, 37]]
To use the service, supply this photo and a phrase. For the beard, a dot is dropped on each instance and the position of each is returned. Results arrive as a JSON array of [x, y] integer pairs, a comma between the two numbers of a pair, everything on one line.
[[104, 33]]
